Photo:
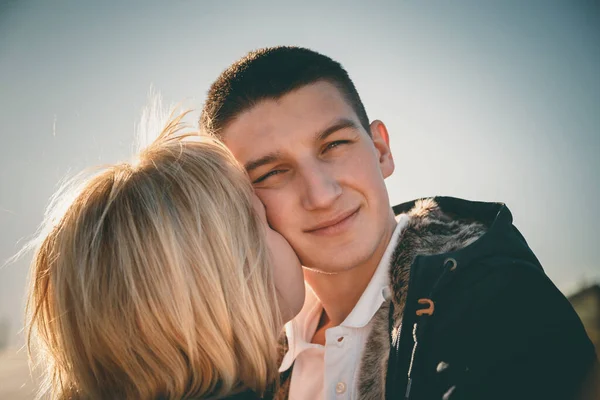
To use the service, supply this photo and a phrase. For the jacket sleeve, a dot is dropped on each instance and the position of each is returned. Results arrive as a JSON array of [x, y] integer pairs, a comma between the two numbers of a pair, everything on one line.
[[526, 341]]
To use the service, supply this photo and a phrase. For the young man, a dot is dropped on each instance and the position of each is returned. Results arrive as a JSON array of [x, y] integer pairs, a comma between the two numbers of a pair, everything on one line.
[[435, 298]]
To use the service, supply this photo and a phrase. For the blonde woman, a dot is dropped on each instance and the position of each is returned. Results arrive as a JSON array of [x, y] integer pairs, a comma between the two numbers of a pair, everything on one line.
[[161, 279]]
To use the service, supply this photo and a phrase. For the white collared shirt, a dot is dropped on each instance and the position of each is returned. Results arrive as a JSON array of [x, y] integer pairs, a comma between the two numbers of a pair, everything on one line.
[[329, 371]]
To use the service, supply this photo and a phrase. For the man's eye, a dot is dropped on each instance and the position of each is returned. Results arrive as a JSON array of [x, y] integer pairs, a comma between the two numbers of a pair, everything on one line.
[[335, 144], [268, 175]]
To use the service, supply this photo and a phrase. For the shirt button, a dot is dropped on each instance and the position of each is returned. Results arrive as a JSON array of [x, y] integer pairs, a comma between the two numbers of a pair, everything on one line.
[[340, 387], [387, 293], [340, 341]]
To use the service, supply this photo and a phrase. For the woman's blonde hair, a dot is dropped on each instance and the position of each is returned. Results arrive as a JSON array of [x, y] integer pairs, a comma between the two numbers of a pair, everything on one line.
[[154, 280]]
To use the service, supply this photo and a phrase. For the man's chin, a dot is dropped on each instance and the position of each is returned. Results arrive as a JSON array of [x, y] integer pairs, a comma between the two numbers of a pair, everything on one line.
[[321, 271], [333, 269]]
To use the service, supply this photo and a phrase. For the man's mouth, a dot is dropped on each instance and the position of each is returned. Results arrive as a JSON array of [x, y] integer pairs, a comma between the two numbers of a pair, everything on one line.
[[335, 225]]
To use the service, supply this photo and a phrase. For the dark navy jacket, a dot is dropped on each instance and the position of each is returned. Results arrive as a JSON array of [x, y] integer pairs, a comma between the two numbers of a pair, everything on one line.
[[500, 328]]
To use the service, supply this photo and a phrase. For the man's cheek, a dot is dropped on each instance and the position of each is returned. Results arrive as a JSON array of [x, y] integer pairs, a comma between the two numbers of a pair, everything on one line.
[[275, 219], [284, 226]]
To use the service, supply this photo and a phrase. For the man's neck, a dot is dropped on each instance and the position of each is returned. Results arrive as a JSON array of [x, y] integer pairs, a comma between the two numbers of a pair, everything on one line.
[[339, 293]]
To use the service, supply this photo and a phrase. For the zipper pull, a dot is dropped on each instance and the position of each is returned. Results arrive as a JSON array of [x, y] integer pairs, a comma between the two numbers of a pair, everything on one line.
[[408, 385]]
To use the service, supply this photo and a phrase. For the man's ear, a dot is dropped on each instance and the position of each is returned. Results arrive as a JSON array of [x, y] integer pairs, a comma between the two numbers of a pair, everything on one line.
[[381, 140]]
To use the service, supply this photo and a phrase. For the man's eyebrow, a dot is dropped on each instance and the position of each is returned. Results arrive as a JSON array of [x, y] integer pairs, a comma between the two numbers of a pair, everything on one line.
[[269, 158], [338, 125]]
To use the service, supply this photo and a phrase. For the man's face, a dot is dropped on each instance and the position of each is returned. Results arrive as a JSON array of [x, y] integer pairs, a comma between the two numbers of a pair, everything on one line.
[[319, 175]]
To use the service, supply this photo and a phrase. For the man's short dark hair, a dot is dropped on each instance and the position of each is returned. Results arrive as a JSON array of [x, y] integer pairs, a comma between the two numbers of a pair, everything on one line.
[[270, 73]]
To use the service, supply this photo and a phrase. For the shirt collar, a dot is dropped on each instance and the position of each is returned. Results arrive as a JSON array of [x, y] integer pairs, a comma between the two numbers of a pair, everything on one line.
[[374, 295], [299, 331]]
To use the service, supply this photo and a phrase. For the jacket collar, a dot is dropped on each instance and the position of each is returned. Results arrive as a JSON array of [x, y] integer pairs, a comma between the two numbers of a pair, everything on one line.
[[437, 228]]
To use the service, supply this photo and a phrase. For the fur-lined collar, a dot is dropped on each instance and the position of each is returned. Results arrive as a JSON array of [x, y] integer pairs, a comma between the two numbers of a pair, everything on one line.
[[429, 231]]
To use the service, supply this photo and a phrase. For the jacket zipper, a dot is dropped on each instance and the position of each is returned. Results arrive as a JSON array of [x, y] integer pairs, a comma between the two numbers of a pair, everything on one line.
[[412, 359]]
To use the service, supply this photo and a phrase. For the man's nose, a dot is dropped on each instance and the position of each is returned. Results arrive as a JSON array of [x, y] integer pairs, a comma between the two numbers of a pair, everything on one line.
[[321, 187]]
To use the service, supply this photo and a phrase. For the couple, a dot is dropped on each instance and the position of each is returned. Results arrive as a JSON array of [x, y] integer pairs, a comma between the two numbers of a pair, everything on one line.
[[173, 277]]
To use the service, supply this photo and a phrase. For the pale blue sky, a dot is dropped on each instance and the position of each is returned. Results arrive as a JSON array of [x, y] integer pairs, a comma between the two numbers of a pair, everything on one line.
[[494, 101]]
